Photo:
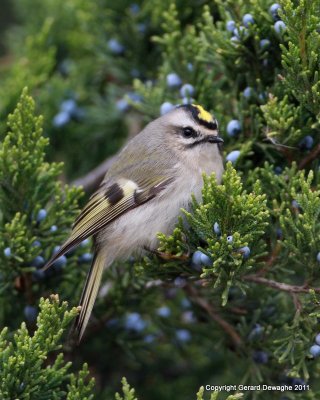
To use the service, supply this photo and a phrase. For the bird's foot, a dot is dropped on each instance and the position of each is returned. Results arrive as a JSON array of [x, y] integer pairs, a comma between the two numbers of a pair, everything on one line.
[[168, 256]]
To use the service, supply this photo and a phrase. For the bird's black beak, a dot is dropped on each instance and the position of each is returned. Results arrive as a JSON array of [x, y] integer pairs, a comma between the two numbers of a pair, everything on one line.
[[214, 139]]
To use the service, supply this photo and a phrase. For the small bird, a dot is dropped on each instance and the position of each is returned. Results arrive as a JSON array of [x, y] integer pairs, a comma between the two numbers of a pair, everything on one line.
[[143, 192]]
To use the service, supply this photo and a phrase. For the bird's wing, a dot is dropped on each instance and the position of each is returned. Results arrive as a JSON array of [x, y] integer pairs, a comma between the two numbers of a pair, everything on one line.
[[108, 203]]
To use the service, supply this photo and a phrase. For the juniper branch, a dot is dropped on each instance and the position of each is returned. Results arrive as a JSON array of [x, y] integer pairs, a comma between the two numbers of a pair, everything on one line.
[[310, 157], [285, 287], [205, 305]]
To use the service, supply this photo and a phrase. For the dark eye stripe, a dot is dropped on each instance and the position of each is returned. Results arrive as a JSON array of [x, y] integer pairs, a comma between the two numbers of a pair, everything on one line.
[[213, 126]]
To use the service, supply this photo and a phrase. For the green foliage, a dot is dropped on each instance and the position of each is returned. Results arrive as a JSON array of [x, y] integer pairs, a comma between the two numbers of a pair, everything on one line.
[[27, 72], [24, 373], [215, 395], [60, 40], [175, 243], [239, 214], [300, 226], [78, 387], [129, 394], [127, 391], [291, 348], [245, 217], [300, 59], [282, 119], [28, 184], [22, 164], [166, 322]]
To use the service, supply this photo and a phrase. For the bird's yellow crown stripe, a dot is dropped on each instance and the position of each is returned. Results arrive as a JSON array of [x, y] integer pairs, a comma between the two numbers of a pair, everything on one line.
[[203, 114]]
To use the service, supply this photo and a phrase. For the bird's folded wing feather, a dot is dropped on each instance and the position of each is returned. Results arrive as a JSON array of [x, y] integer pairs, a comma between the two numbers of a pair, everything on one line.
[[108, 203]]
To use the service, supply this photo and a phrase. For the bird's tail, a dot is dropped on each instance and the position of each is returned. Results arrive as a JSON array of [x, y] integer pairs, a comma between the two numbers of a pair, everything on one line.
[[91, 287], [68, 245], [89, 293]]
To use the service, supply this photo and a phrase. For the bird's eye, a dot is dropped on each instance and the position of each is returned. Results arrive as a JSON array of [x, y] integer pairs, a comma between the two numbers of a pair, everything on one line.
[[189, 132]]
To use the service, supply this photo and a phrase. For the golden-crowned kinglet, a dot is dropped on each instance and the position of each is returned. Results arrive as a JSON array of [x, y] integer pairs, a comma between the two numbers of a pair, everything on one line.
[[143, 192]]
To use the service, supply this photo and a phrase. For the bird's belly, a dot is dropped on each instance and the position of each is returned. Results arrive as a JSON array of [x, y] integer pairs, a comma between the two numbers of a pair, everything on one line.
[[137, 229]]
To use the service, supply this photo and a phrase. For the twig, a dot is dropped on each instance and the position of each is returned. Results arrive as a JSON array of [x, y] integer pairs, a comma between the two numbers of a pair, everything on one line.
[[310, 157], [287, 153], [228, 328], [279, 285], [238, 310], [296, 302]]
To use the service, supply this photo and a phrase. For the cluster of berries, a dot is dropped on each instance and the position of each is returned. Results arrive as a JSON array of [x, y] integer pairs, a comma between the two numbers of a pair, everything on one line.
[[186, 92], [242, 32], [315, 349], [134, 322], [200, 259], [258, 356]]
